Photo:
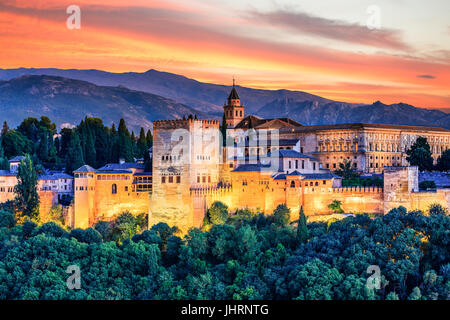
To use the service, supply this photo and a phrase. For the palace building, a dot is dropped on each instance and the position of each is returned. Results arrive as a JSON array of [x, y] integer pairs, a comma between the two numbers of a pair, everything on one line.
[[264, 163]]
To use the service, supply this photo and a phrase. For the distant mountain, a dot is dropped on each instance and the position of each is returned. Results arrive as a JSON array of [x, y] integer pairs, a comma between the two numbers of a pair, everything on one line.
[[203, 96], [68, 101], [181, 92], [311, 113]]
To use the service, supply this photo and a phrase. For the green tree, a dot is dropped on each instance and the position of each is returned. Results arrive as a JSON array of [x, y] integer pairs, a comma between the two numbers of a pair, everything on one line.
[[4, 163], [125, 145], [436, 209], [420, 155], [346, 170], [91, 153], [27, 198], [443, 162], [142, 147], [218, 213], [5, 128], [336, 206], [15, 144], [223, 130], [282, 214], [302, 227], [43, 146], [74, 156]]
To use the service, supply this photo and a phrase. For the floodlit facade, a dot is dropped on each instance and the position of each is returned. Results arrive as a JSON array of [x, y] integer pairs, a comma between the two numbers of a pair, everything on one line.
[[261, 164]]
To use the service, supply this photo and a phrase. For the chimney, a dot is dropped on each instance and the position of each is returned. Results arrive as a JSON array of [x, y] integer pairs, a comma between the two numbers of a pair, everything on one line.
[[121, 160]]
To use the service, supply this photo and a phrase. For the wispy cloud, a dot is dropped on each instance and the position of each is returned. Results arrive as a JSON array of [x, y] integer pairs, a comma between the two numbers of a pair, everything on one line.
[[333, 29], [426, 76]]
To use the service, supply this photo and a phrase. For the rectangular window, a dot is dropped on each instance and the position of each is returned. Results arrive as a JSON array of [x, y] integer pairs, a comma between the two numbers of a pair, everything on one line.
[[314, 166], [296, 164], [289, 164], [163, 179], [171, 179], [178, 179], [303, 164]]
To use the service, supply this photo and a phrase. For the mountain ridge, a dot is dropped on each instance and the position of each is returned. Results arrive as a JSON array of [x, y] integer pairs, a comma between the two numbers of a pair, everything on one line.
[[67, 101], [207, 99]]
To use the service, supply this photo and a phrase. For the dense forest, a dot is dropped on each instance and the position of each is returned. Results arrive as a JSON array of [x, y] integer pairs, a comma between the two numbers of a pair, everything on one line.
[[91, 142], [239, 256]]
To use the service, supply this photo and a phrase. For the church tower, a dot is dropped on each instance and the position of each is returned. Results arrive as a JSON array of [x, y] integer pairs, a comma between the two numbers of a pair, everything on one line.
[[233, 110]]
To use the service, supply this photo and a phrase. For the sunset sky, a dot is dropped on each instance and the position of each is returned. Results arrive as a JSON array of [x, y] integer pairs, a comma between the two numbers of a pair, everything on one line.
[[323, 46]]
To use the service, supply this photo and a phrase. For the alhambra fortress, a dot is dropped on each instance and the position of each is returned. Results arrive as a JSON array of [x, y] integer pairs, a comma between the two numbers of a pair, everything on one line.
[[261, 164]]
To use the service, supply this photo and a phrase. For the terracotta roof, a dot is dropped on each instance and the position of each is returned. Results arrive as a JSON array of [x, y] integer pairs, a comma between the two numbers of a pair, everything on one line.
[[252, 121]]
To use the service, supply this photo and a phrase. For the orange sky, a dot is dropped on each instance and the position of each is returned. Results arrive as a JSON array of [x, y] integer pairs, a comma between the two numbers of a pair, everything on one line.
[[322, 50]]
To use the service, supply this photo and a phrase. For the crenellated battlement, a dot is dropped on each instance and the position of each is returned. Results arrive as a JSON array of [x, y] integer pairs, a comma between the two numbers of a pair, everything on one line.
[[183, 123], [357, 189]]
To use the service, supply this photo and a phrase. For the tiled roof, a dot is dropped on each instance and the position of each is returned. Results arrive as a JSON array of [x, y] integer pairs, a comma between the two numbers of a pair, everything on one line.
[[6, 173], [252, 167], [233, 94], [113, 171], [252, 121], [320, 176], [125, 165], [295, 173], [137, 174], [17, 159], [286, 153], [54, 176], [85, 168], [281, 176], [257, 142]]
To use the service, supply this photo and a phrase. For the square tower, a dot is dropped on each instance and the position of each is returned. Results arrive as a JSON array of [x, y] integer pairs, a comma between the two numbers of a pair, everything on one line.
[[185, 155]]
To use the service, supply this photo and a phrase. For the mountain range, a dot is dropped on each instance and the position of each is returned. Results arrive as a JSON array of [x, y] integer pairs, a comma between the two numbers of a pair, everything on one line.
[[66, 96]]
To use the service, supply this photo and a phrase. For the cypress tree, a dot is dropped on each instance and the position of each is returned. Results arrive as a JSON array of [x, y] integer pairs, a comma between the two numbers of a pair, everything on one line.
[[125, 146], [91, 153], [4, 163], [27, 198], [142, 144], [43, 146], [302, 227], [5, 128], [74, 157], [223, 130], [148, 162]]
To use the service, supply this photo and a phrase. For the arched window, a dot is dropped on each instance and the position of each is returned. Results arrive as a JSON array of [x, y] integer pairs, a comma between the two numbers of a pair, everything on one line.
[[114, 188], [292, 184]]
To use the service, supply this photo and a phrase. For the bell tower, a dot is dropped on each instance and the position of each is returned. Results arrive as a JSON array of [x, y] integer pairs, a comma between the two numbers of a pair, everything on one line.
[[233, 110]]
